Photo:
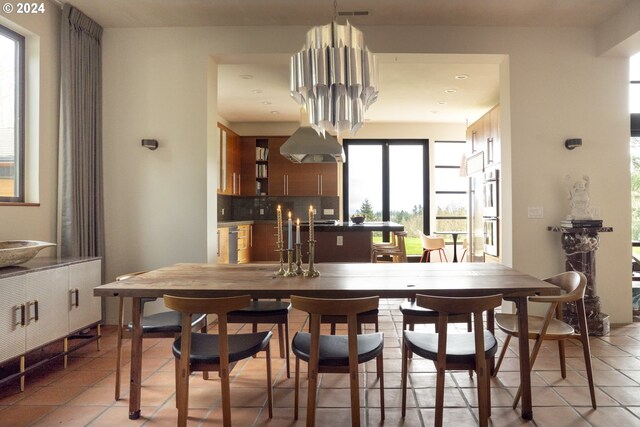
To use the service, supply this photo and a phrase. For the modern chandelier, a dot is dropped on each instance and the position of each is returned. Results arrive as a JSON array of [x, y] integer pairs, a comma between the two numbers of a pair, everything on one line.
[[334, 77]]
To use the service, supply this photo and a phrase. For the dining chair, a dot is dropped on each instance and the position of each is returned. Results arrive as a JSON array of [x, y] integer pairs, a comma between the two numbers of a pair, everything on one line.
[[465, 246], [270, 312], [471, 350], [430, 244], [552, 327], [397, 251], [166, 324], [214, 352], [336, 353]]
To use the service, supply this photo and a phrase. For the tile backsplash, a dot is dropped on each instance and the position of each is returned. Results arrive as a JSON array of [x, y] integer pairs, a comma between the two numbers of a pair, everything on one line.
[[234, 208]]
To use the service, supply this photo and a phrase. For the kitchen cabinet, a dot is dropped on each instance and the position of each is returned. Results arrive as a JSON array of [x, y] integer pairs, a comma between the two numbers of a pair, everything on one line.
[[223, 245], [264, 242], [245, 239], [295, 179], [230, 162], [484, 135], [47, 304]]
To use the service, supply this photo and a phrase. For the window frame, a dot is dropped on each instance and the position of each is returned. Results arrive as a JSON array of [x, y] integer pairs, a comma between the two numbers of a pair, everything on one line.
[[453, 192], [19, 140]]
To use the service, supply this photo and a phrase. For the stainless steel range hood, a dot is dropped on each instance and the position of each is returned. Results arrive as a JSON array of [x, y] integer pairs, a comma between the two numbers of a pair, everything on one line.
[[306, 146]]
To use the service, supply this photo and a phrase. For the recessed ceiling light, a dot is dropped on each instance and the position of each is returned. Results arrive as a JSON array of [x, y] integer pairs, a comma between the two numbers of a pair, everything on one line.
[[266, 102], [442, 102], [246, 76], [450, 91], [256, 91], [461, 77], [275, 112]]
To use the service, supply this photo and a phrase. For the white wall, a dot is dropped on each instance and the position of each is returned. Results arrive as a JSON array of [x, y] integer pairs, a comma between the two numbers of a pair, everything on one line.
[[38, 221]]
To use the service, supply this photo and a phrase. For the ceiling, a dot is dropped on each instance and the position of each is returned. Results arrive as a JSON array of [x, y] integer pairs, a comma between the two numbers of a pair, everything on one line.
[[412, 87]]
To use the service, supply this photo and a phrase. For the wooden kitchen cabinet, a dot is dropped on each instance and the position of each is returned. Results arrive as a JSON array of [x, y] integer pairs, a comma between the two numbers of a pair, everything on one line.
[[264, 242], [299, 179], [245, 240], [484, 135], [230, 162], [223, 245]]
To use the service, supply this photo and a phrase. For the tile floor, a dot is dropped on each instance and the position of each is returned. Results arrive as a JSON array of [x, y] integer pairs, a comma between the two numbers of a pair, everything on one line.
[[83, 394]]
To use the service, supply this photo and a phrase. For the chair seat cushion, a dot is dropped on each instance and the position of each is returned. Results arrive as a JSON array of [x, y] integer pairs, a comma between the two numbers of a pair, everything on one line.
[[263, 308], [167, 321], [334, 349], [461, 348], [557, 328], [205, 347]]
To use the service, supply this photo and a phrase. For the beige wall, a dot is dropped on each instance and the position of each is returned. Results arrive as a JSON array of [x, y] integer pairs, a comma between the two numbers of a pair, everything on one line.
[[42, 34]]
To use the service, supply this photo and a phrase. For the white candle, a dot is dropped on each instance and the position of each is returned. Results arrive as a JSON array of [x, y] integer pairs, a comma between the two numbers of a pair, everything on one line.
[[289, 230], [279, 221], [298, 230], [310, 223]]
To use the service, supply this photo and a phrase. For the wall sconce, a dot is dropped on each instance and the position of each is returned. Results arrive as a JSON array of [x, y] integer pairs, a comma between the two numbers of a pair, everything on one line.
[[573, 143], [151, 144]]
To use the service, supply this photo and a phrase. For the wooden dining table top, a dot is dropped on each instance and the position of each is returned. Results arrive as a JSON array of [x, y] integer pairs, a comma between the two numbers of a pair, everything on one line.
[[336, 280]]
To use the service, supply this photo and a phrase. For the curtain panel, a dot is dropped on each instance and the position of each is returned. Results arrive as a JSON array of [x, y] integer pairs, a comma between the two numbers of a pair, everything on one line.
[[80, 192]]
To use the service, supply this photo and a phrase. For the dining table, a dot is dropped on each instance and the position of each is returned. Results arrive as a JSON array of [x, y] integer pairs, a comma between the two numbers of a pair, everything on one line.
[[336, 280]]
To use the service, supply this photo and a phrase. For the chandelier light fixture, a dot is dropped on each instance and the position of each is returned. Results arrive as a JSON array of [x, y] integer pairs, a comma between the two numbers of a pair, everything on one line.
[[334, 77]]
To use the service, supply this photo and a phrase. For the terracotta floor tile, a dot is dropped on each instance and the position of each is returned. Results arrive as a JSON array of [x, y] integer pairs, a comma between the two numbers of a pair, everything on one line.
[[613, 417], [558, 417], [16, 416], [70, 416], [52, 395], [119, 416]]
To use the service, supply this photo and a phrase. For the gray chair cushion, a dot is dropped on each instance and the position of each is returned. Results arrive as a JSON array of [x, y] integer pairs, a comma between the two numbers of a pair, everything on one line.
[[205, 347], [334, 349]]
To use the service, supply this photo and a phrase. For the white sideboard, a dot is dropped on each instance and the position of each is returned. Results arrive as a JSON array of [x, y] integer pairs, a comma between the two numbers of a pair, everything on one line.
[[43, 301]]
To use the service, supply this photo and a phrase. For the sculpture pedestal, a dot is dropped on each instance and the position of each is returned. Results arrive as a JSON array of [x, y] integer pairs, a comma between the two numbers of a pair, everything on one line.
[[580, 245]]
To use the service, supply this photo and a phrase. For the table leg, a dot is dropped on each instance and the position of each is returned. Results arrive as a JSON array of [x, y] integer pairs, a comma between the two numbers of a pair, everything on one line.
[[136, 359], [525, 362], [455, 246]]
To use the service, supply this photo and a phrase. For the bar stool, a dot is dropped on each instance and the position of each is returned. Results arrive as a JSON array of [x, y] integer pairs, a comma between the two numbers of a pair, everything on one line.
[[397, 251]]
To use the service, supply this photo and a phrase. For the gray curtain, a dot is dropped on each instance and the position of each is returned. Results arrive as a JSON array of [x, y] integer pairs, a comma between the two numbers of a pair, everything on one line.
[[80, 198]]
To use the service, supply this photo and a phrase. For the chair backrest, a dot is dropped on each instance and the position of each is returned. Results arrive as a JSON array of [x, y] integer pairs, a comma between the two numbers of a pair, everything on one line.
[[334, 307], [219, 306], [573, 283], [433, 242]]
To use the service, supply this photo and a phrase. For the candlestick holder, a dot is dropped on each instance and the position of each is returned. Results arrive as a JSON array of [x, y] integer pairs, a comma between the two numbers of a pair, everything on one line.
[[290, 271], [311, 272], [299, 270], [281, 250]]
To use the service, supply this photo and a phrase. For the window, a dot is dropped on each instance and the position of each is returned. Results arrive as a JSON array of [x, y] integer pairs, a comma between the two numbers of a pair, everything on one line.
[[450, 187], [388, 180], [11, 116]]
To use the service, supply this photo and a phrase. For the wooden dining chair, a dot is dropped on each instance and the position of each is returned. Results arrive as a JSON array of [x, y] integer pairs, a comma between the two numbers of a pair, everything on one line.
[[269, 312], [167, 324], [214, 352], [552, 327], [471, 350], [336, 353]]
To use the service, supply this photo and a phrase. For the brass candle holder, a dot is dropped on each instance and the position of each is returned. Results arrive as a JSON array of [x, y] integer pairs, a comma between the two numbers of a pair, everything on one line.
[[281, 250], [290, 271], [299, 270], [311, 272]]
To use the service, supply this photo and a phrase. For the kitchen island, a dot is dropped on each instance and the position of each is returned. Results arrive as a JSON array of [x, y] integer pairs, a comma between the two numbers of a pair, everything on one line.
[[336, 241]]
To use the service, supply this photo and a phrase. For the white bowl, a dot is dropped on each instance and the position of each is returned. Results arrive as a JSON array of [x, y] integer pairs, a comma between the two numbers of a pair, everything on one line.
[[14, 252]]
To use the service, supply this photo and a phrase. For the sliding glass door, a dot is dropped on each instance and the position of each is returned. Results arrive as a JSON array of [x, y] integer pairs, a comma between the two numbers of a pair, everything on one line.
[[387, 180]]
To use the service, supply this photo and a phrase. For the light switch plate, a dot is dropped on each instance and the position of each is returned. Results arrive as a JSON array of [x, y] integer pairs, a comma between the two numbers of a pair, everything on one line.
[[222, 211], [327, 211], [536, 212], [261, 211], [339, 241]]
